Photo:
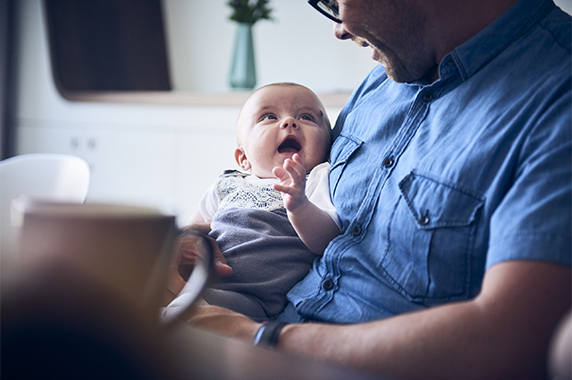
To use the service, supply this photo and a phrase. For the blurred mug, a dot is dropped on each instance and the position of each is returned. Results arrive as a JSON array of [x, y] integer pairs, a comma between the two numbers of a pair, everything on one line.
[[126, 249]]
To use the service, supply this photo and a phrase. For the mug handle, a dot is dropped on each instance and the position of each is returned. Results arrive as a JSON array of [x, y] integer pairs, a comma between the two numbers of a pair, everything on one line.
[[197, 281]]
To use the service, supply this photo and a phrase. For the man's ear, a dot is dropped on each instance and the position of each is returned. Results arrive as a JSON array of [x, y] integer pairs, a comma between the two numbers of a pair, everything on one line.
[[241, 159]]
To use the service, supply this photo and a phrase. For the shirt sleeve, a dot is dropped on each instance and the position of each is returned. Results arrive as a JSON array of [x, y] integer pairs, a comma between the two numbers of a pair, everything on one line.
[[208, 205], [533, 220], [318, 192]]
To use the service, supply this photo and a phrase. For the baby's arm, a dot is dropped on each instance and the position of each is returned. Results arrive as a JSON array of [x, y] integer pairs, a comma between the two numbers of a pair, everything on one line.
[[315, 227]]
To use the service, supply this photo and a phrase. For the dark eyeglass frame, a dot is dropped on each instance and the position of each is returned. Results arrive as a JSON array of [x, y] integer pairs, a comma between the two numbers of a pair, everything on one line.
[[331, 12]]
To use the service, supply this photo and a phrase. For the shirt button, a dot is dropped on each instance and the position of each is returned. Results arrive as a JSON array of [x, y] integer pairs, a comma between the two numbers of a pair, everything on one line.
[[328, 285], [356, 230], [424, 220], [388, 162], [428, 96]]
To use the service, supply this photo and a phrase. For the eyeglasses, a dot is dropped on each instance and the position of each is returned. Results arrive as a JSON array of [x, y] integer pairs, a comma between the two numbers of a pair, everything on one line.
[[328, 8]]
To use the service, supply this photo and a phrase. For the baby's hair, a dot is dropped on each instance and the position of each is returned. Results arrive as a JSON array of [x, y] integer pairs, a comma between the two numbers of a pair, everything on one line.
[[282, 84]]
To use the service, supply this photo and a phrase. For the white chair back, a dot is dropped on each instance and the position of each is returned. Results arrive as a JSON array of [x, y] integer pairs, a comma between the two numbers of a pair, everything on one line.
[[43, 176]]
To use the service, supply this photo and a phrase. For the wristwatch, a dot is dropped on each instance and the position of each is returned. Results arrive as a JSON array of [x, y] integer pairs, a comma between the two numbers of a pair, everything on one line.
[[267, 334]]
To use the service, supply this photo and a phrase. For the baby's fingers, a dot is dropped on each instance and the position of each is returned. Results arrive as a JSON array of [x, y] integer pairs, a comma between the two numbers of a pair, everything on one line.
[[296, 171], [280, 173], [296, 158]]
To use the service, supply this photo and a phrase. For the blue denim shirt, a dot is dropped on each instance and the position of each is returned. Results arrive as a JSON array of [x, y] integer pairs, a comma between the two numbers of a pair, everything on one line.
[[436, 183]]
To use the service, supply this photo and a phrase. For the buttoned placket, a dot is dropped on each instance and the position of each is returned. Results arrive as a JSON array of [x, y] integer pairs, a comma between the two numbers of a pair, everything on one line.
[[358, 228]]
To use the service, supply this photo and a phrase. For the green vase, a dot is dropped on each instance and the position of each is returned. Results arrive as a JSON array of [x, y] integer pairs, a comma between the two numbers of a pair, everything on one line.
[[243, 69]]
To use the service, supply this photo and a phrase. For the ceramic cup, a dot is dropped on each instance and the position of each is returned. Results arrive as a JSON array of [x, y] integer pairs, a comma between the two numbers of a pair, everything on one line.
[[126, 249]]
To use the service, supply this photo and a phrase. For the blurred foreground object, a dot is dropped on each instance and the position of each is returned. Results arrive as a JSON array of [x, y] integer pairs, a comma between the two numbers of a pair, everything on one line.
[[58, 323], [49, 177], [82, 297], [560, 359]]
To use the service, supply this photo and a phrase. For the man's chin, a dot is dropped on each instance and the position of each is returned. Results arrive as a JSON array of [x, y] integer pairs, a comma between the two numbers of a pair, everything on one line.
[[380, 58], [396, 73], [376, 55]]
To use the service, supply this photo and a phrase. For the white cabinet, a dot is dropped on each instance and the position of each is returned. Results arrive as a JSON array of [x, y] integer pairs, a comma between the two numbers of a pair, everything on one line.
[[169, 168], [127, 165], [49, 140]]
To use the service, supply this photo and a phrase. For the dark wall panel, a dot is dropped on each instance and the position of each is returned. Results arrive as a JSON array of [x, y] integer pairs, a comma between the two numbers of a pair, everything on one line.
[[108, 45]]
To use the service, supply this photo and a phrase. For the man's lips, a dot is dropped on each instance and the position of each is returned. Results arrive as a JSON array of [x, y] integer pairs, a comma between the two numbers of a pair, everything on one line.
[[374, 55], [290, 145]]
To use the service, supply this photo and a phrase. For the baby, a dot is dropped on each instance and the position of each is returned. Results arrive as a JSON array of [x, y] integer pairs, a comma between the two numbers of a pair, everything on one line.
[[271, 220]]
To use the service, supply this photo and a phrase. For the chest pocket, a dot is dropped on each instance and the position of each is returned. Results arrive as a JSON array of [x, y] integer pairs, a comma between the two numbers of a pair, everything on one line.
[[431, 234]]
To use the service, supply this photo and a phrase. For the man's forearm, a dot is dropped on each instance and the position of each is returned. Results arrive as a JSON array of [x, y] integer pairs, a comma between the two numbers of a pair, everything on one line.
[[503, 333]]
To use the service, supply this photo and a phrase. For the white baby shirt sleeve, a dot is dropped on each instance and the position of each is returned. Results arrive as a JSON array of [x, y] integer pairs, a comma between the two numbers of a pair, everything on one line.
[[318, 191], [208, 205]]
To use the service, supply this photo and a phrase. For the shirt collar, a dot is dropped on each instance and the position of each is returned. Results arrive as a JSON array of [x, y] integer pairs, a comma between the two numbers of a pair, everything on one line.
[[475, 53]]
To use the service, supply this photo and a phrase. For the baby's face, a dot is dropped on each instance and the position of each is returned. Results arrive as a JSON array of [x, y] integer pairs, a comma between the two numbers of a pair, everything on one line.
[[278, 121]]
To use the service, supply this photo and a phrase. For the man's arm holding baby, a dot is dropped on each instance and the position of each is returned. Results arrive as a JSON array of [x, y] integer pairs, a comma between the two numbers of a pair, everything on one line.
[[315, 226], [503, 333]]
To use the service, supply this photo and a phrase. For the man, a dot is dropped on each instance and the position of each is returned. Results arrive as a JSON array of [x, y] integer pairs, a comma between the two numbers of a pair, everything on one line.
[[451, 174]]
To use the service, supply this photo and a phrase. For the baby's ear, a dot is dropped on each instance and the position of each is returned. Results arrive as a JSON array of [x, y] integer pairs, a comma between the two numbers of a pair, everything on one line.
[[241, 159]]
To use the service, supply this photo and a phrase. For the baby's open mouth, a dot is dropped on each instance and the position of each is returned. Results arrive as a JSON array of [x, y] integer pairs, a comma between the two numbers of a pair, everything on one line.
[[290, 145]]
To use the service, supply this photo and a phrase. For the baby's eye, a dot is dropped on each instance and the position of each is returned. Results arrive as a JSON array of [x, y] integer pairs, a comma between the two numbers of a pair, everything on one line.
[[269, 117], [307, 117]]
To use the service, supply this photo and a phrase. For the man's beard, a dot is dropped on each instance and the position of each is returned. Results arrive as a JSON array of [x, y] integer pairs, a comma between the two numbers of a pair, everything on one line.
[[396, 69]]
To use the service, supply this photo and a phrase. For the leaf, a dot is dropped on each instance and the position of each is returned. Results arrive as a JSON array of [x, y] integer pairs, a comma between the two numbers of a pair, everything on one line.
[[249, 12]]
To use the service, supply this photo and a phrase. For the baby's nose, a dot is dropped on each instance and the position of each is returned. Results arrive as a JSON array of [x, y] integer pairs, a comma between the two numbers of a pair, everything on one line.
[[289, 122]]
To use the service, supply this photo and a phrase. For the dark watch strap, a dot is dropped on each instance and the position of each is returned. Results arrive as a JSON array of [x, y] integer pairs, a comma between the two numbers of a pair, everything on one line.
[[267, 334]]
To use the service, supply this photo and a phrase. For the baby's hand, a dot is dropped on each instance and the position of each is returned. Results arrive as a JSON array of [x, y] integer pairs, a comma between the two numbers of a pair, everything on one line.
[[292, 176]]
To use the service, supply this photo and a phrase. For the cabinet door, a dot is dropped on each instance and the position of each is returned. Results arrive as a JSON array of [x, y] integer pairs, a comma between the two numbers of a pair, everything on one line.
[[50, 140], [127, 166]]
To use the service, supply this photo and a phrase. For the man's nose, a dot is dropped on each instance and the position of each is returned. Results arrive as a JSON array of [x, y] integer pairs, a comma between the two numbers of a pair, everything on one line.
[[340, 32], [289, 122]]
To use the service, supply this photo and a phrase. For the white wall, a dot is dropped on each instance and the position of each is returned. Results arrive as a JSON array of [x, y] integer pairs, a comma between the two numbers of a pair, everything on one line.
[[566, 5], [298, 46]]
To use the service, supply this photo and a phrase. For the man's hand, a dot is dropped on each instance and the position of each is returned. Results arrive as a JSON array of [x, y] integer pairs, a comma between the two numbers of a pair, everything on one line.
[[292, 176], [192, 244]]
